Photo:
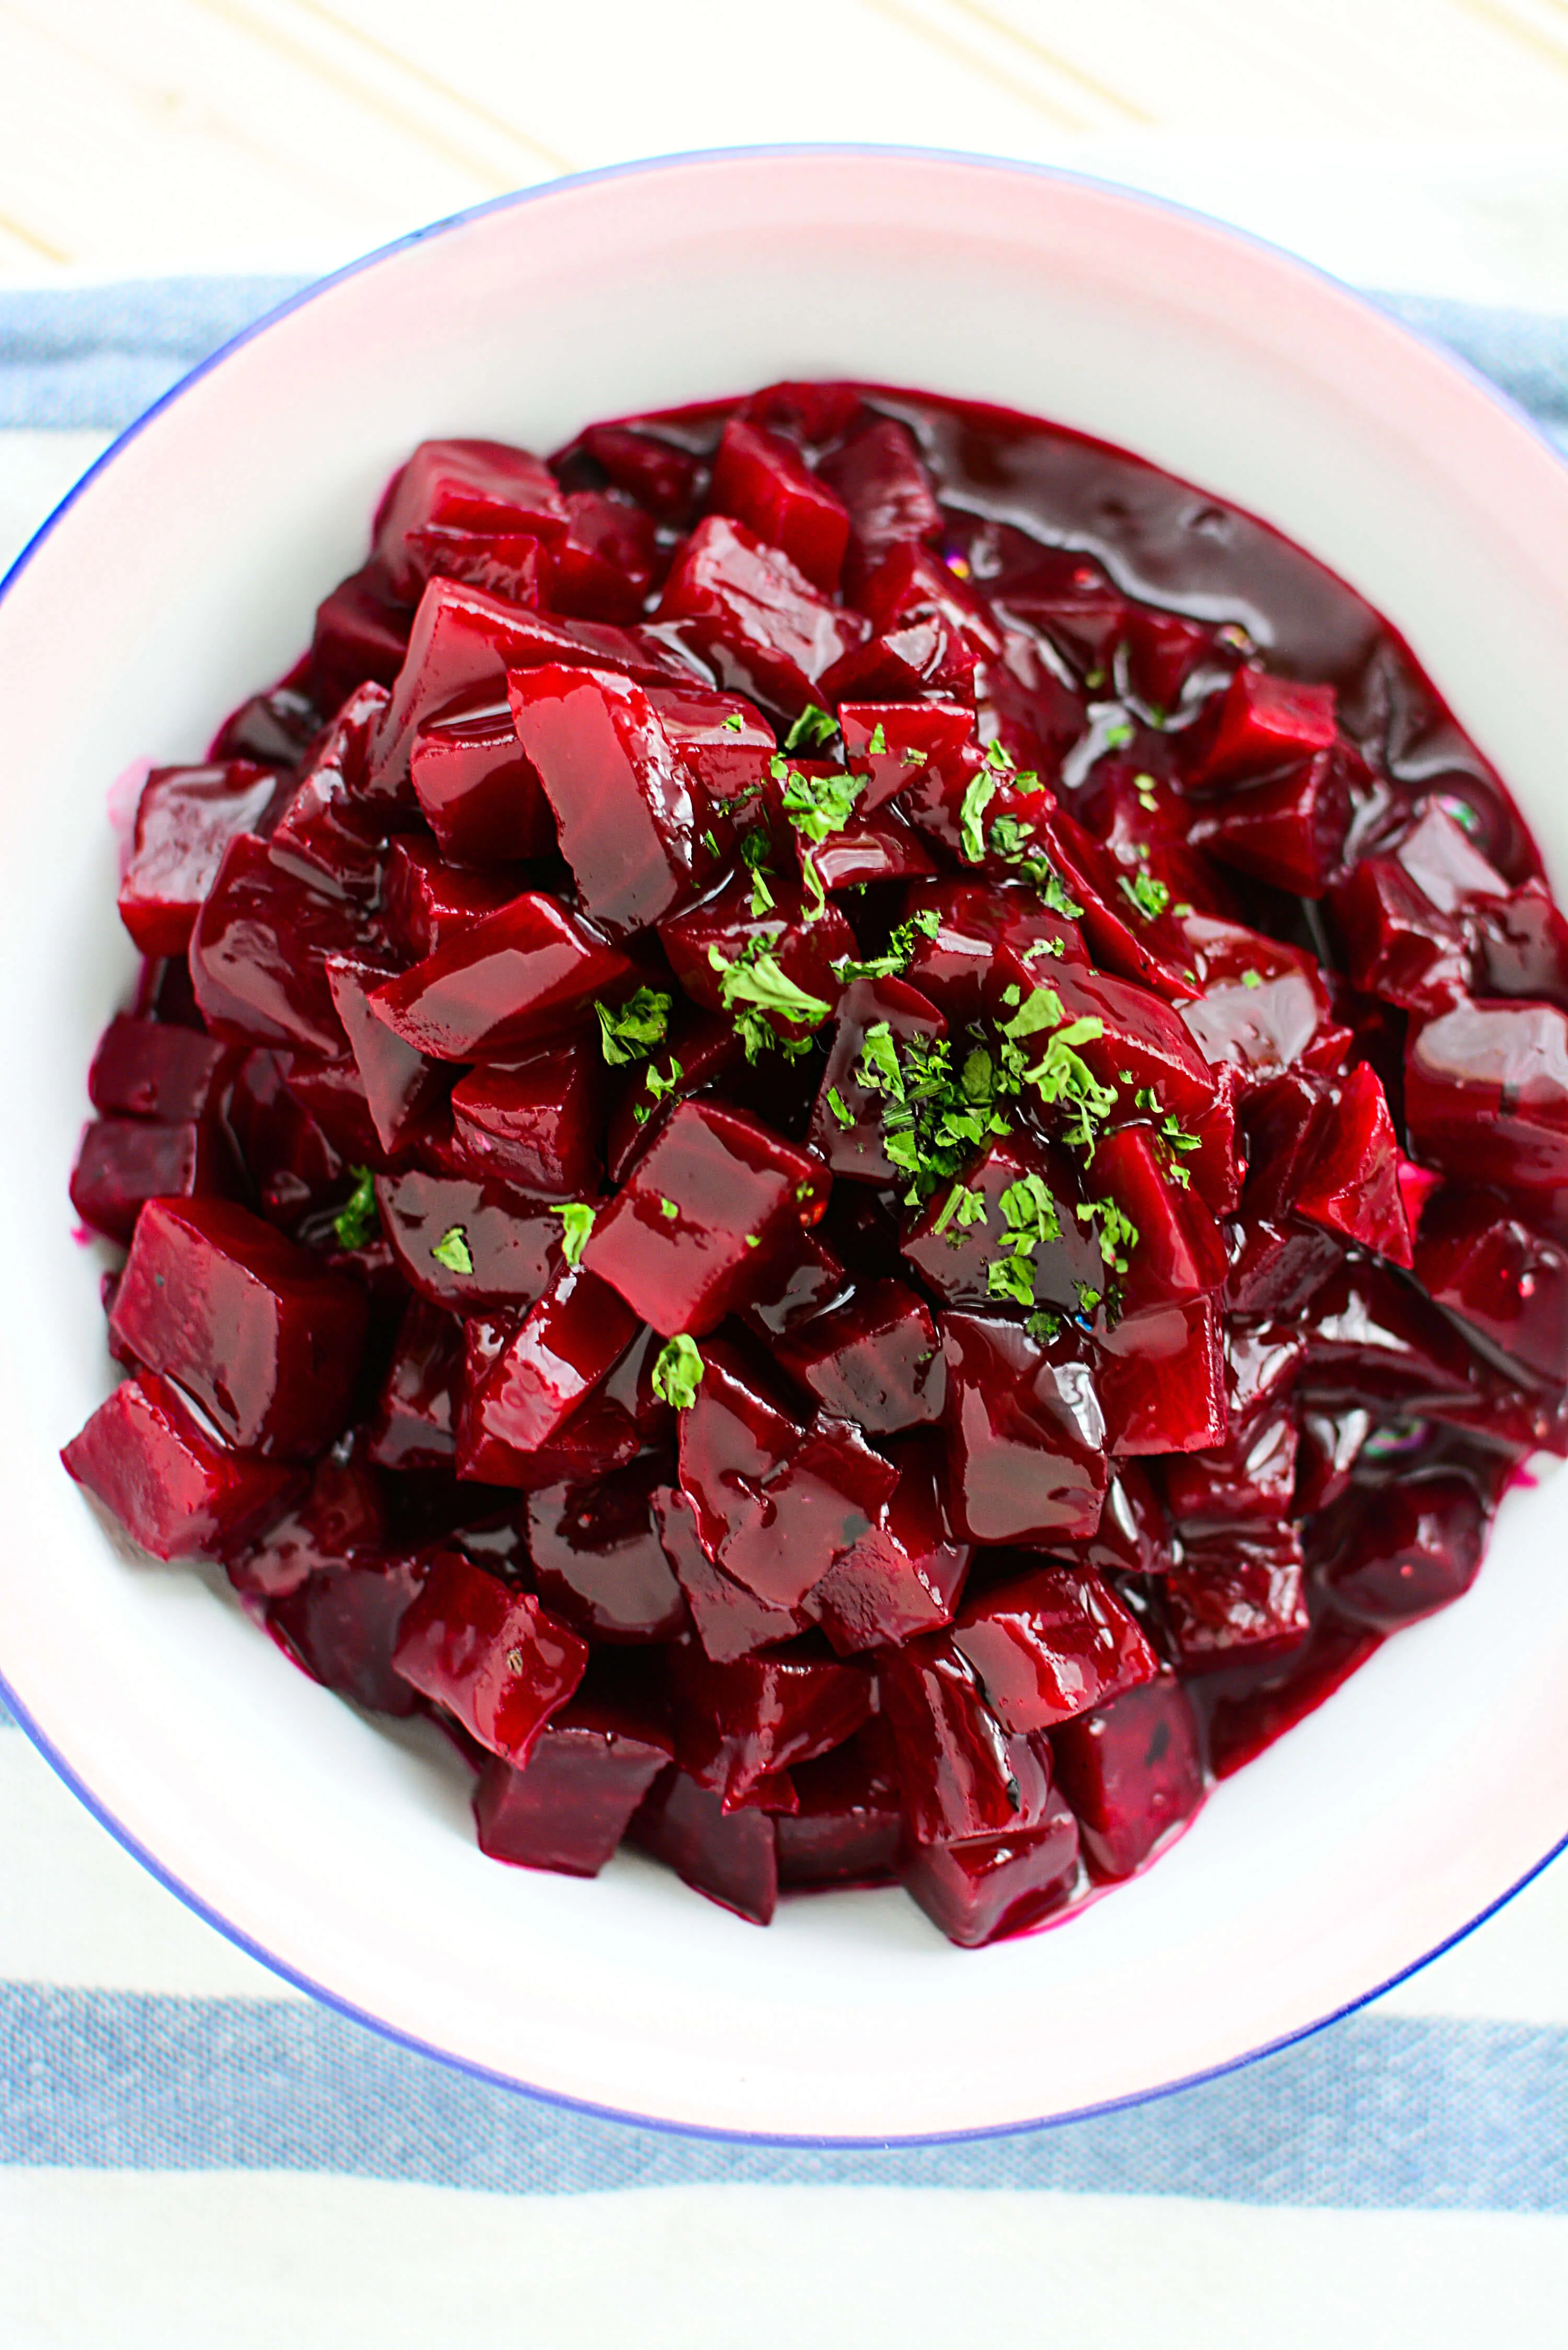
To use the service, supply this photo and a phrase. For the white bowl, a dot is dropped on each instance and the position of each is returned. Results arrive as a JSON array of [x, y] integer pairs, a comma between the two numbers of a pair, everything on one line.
[[182, 575]]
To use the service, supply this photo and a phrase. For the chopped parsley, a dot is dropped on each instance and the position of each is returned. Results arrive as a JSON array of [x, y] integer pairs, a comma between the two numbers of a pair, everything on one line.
[[659, 1087], [977, 796], [358, 1219], [817, 806], [933, 1118], [755, 849], [577, 1223], [630, 1030], [814, 729], [677, 1372], [900, 949], [1145, 787], [1043, 1327], [453, 1251], [840, 1106], [736, 722], [711, 843], [963, 1206], [756, 992], [1149, 896], [876, 744], [1116, 1235], [668, 1208], [1118, 734], [1030, 1221], [1252, 979], [1061, 1076]]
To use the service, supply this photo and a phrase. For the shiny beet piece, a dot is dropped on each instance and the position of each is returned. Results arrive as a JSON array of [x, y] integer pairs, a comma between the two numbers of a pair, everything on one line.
[[412, 1426], [730, 1621], [990, 1887], [849, 1123], [490, 1655], [1026, 1438], [251, 1326], [401, 1087], [478, 789], [123, 1163], [954, 1252], [630, 827], [881, 479], [761, 480], [1349, 1179], [483, 486], [324, 834], [1251, 1475], [259, 953], [661, 478], [1289, 832], [901, 1579], [560, 1351], [751, 611], [604, 566], [1498, 1277], [714, 1198], [426, 902], [1162, 1383], [535, 1121], [513, 977], [464, 1243], [1486, 1093], [874, 1359], [342, 1624], [174, 1488], [569, 1806], [1403, 1551], [1133, 1774], [361, 635], [728, 1855], [848, 1827], [1051, 1644], [736, 1724], [1267, 722], [1237, 1597], [962, 1775], [184, 821], [724, 926], [598, 1562], [1179, 1252], [145, 1068], [341, 1517]]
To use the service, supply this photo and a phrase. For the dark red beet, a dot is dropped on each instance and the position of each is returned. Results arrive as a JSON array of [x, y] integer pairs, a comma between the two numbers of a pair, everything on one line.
[[186, 819], [1050, 1644], [569, 1807], [535, 1121], [490, 1655], [144, 1068], [463, 1244], [598, 1562], [1403, 1552], [873, 1359], [1133, 1774], [412, 1425], [427, 901], [1499, 1277], [758, 618], [342, 1518], [176, 1489], [1289, 832], [342, 1624], [901, 1579], [400, 1087], [882, 481], [849, 1826], [123, 1163], [478, 789], [761, 480], [1237, 1596], [361, 635], [1266, 722], [509, 979], [847, 1121], [980, 1890], [1486, 1094], [259, 953], [475, 485], [737, 1723], [1349, 1181], [962, 1775], [1160, 1381], [516, 1402], [1025, 1436], [730, 1621], [728, 1856]]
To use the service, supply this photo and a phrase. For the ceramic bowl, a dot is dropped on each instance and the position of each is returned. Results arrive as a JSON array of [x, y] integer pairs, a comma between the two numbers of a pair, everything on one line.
[[181, 574]]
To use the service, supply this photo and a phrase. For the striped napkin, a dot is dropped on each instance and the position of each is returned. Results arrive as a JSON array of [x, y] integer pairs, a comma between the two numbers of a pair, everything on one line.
[[195, 2155]]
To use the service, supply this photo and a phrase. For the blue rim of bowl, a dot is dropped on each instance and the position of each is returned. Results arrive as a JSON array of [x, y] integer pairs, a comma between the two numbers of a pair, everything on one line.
[[335, 2001]]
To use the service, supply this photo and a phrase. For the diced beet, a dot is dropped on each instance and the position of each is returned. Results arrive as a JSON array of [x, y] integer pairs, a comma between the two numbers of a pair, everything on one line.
[[571, 1805], [1486, 1093], [752, 613], [1374, 1340], [1397, 945], [463, 1244], [803, 1281], [1134, 1536], [557, 1355], [1237, 1596], [332, 1093], [1403, 1551], [728, 1856], [879, 476], [512, 564], [901, 1022], [324, 834], [291, 1164], [716, 1195], [990, 1887], [401, 1086], [725, 926], [266, 1341], [901, 1579], [1133, 1774], [360, 636], [490, 1654], [912, 738], [730, 1621], [1289, 832], [1267, 722], [596, 1439], [144, 1068], [1498, 1275], [342, 1624], [1251, 1475], [622, 797], [274, 729], [1180, 1251], [186, 819], [412, 1425], [478, 788], [954, 1255], [604, 566], [961, 1773], [761, 480], [1162, 1383], [874, 1359], [125, 1161], [1048, 1645], [849, 1825], [512, 977], [259, 953], [1349, 1181], [477, 485], [534, 1122], [1144, 1043], [342, 1517], [1274, 1270], [1445, 864], [598, 1562], [1329, 1446], [725, 745], [174, 1488], [874, 848], [427, 900], [737, 1723], [1026, 1440], [659, 477], [1522, 946]]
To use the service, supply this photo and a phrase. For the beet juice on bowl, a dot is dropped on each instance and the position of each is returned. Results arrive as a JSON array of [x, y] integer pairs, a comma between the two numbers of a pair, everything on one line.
[[849, 1131]]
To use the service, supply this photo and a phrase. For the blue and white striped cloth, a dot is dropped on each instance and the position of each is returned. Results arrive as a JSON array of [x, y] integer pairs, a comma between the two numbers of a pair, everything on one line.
[[194, 2155]]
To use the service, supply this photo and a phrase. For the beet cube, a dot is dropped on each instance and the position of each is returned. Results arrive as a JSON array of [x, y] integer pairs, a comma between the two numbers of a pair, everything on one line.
[[1405, 1551], [1522, 946], [877, 848], [512, 565], [730, 1621], [1486, 1093], [1397, 945], [1251, 1475], [598, 1561], [1161, 1382], [1237, 1597], [401, 1087], [726, 746], [913, 737], [478, 788], [1144, 1043], [144, 1068], [990, 1887], [1268, 1015], [1349, 1179], [427, 901], [342, 1624], [174, 1488], [511, 978], [1289, 832], [725, 926], [881, 477], [123, 1163], [556, 1356], [534, 1122], [848, 1827], [463, 1244], [1050, 1644], [1134, 1536], [737, 1723], [490, 1654], [1494, 1272], [1180, 1251], [874, 1359], [661, 478], [259, 953], [186, 819], [324, 834], [1026, 1440], [955, 1253], [413, 1421], [1267, 722], [761, 480], [728, 1856], [360, 636], [858, 1104], [803, 1281], [901, 1579], [961, 1773], [594, 1441], [342, 1517], [571, 1805], [266, 1341], [604, 566], [622, 797], [750, 609], [477, 485], [739, 1195], [1133, 1774]]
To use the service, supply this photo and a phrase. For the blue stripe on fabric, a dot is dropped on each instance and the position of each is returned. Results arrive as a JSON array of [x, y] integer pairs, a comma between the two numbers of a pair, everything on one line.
[[1393, 2112], [97, 356]]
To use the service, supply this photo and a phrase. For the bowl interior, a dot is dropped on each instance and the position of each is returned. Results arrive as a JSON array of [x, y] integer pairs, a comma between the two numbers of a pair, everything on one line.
[[183, 576]]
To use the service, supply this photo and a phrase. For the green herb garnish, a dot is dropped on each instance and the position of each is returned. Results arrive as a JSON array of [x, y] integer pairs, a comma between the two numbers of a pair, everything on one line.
[[677, 1372], [630, 1030], [1252, 979], [577, 1223], [453, 1251], [812, 730], [756, 992], [840, 1106], [1116, 1233], [1150, 897], [358, 1219]]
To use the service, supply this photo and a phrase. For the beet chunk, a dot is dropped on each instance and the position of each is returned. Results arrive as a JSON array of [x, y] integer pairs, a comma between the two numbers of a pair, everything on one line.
[[730, 1621], [534, 1122], [343, 1623], [1162, 1383], [490, 1655], [512, 977], [517, 1401], [849, 1826], [1133, 1774], [855, 1104], [1237, 1597], [874, 1359], [478, 788], [761, 480], [901, 1579], [176, 1489], [963, 1774], [259, 952], [144, 1068], [412, 1426], [1349, 1181], [1498, 1275], [123, 1163], [1025, 1436], [1051, 1644], [736, 1724], [463, 1244], [341, 1517], [749, 609], [1486, 1093], [988, 1887], [1403, 1552], [598, 1561], [1266, 722], [569, 1806], [266, 1341], [483, 486], [184, 822], [728, 1855]]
